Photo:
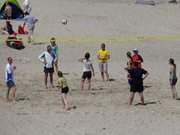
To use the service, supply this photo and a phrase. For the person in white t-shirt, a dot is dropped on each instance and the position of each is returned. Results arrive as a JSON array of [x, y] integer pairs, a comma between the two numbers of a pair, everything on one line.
[[47, 59], [9, 79], [30, 22], [87, 70]]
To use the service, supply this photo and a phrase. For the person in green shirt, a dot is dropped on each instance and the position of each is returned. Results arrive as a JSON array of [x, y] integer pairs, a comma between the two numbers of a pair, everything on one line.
[[62, 84]]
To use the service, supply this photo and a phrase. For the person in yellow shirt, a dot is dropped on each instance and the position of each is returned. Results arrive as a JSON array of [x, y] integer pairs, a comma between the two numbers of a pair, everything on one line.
[[62, 84], [103, 56]]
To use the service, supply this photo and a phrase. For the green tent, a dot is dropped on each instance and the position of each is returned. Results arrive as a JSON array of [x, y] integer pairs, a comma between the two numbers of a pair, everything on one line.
[[17, 12]]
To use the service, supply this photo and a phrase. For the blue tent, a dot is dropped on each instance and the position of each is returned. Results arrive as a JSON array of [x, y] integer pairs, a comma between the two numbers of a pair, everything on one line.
[[17, 12]]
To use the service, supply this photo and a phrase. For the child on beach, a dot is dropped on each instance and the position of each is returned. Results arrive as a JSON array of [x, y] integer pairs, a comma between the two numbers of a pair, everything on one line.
[[103, 56], [88, 70], [54, 51], [9, 79], [136, 74], [129, 66], [62, 84], [173, 78]]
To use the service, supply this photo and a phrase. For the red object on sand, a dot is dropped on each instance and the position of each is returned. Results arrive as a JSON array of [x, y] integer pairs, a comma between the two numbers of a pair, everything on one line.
[[21, 30]]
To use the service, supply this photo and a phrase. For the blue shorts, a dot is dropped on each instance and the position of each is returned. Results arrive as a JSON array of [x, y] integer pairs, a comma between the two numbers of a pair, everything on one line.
[[10, 84]]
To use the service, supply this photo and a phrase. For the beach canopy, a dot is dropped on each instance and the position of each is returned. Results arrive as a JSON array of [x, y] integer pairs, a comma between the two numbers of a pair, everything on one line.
[[17, 12]]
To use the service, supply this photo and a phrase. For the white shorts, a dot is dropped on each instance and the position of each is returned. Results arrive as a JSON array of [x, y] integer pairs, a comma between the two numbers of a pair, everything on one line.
[[103, 67]]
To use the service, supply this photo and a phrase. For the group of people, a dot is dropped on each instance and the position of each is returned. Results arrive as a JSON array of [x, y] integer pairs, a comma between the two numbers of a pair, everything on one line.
[[136, 75], [50, 58]]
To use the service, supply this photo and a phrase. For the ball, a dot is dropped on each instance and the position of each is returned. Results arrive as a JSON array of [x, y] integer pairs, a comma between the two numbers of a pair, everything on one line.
[[64, 21]]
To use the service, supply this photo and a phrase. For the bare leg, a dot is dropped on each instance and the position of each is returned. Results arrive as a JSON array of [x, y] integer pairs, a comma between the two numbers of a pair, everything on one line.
[[174, 93], [131, 98], [142, 98], [82, 84], [65, 102], [45, 80], [7, 94], [89, 84], [107, 76], [56, 66], [102, 75], [51, 80], [14, 93]]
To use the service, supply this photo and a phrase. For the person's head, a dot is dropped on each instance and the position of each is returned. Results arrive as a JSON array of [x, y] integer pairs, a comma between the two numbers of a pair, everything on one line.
[[103, 46], [10, 60], [128, 54], [60, 74], [53, 41], [135, 51], [171, 61], [87, 55], [49, 48]]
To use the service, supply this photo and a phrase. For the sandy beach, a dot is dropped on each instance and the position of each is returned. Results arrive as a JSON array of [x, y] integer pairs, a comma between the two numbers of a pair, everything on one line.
[[104, 110]]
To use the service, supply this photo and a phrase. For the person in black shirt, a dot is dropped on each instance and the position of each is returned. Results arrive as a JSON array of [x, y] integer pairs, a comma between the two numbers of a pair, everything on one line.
[[137, 75]]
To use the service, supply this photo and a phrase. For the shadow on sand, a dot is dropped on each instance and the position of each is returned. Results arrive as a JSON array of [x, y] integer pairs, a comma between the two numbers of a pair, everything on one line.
[[147, 103]]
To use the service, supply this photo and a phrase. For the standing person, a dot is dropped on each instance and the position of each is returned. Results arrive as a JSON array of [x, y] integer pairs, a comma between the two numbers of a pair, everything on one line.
[[137, 57], [27, 6], [9, 79], [88, 70], [30, 22], [103, 56], [7, 11], [9, 28], [129, 66], [173, 78], [54, 51], [48, 61], [62, 84], [136, 74]]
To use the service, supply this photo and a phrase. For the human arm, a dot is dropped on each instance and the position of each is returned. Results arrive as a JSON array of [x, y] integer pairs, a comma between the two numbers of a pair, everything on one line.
[[141, 59], [146, 74], [81, 59], [108, 55], [92, 68], [42, 58]]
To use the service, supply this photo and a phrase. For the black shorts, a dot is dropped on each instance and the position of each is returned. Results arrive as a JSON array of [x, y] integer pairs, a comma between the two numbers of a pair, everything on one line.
[[10, 84], [173, 81], [48, 70], [87, 75], [65, 90], [136, 88]]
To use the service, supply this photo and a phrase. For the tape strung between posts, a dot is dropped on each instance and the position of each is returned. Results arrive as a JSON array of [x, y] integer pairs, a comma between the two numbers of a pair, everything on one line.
[[116, 39]]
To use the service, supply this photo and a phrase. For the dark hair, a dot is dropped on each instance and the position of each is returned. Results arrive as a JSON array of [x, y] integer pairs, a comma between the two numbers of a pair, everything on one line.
[[26, 13], [9, 58], [60, 74], [103, 45], [128, 54], [171, 61], [87, 55]]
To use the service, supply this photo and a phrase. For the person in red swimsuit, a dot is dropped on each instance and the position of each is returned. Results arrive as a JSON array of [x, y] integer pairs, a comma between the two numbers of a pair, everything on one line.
[[136, 58]]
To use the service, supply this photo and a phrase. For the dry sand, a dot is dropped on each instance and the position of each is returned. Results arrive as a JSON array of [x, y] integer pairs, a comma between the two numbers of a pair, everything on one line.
[[104, 110]]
